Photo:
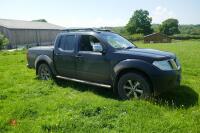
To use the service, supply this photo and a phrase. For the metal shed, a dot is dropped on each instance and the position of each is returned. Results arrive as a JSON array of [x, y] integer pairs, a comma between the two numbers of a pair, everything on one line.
[[157, 38], [28, 33]]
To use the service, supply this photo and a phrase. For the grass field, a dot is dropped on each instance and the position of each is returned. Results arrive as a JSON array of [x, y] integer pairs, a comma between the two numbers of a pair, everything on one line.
[[30, 105]]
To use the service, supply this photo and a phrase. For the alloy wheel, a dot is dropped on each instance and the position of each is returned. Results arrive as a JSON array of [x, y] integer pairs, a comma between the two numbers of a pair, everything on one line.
[[44, 72], [133, 89]]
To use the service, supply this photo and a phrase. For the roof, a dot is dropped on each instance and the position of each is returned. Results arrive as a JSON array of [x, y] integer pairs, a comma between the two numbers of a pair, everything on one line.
[[86, 29], [20, 24], [156, 34]]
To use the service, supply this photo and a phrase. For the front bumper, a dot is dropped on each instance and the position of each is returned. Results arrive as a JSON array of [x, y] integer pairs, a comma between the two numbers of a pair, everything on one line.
[[166, 80]]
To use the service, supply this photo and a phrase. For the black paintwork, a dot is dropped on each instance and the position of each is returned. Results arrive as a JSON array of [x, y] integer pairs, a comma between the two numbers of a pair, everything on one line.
[[105, 67]]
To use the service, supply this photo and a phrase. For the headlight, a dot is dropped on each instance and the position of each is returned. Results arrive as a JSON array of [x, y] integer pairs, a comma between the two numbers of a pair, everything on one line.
[[163, 65]]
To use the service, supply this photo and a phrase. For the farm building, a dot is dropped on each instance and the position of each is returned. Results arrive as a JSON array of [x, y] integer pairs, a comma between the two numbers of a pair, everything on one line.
[[157, 38], [28, 33]]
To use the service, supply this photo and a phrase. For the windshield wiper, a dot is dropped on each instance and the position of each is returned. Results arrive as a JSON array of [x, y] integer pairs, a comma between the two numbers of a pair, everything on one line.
[[129, 47]]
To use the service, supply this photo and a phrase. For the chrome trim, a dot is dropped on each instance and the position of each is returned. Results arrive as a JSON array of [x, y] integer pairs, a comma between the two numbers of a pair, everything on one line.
[[173, 64], [84, 82]]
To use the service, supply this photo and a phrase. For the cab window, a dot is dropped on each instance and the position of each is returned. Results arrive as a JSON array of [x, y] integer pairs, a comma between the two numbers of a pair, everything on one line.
[[86, 42], [67, 42]]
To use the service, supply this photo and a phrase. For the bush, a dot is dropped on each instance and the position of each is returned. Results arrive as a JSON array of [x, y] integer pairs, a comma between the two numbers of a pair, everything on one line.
[[190, 29], [185, 37], [134, 37], [3, 41]]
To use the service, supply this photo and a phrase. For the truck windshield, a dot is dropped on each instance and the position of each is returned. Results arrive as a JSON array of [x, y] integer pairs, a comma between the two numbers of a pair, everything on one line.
[[117, 42]]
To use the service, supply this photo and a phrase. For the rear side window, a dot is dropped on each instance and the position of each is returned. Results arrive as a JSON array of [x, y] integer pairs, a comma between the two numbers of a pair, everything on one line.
[[67, 42]]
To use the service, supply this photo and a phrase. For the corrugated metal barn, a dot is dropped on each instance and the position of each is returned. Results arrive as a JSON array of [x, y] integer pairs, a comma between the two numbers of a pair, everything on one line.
[[28, 33]]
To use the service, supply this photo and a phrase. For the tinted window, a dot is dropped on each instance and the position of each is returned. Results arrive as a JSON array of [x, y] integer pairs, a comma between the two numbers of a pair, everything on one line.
[[67, 42], [86, 43]]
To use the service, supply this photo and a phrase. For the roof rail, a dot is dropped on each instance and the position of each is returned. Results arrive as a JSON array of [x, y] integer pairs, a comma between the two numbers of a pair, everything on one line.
[[86, 29], [78, 29], [106, 30]]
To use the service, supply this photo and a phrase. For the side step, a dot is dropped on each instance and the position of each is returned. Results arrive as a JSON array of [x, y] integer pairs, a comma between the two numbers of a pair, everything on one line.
[[84, 82]]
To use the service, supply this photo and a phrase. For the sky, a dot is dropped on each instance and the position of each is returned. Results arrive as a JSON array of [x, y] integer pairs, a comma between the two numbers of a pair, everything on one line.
[[97, 13]]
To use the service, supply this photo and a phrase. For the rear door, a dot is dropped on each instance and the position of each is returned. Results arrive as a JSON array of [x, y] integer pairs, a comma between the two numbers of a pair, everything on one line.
[[64, 57], [90, 65]]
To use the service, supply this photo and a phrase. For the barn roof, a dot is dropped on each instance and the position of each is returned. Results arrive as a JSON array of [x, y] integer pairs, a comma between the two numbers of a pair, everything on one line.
[[155, 34], [20, 24]]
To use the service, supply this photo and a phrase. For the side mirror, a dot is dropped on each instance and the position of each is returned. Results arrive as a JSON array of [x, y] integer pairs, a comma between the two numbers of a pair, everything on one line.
[[97, 48]]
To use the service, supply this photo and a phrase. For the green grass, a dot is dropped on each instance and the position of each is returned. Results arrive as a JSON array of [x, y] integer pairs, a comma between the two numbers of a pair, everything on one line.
[[30, 105]]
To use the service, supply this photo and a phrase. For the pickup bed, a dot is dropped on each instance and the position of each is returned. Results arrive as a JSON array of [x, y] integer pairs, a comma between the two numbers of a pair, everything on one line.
[[103, 58]]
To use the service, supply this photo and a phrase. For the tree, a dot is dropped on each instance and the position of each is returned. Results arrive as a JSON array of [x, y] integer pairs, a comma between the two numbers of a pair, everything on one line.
[[140, 23], [170, 27], [3, 41], [40, 20]]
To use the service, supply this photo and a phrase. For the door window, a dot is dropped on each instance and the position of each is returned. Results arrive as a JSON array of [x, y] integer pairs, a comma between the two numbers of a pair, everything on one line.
[[67, 42], [87, 42]]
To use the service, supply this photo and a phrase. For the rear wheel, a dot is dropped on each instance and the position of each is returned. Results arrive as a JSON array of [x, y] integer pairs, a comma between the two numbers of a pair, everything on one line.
[[132, 85], [44, 72]]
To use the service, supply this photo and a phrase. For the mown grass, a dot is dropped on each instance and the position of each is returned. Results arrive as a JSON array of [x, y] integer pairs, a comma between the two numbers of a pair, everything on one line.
[[30, 105]]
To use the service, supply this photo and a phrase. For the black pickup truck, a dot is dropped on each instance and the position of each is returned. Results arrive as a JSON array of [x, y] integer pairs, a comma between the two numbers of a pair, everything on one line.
[[103, 58]]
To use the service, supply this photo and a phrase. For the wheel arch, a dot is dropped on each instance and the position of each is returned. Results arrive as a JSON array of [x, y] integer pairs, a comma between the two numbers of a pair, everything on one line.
[[44, 59], [133, 66]]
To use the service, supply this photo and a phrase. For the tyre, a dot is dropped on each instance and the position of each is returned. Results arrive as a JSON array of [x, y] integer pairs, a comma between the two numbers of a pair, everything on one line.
[[133, 85], [44, 72]]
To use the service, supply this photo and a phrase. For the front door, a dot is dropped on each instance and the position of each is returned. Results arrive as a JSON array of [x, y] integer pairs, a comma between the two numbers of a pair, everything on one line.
[[90, 65]]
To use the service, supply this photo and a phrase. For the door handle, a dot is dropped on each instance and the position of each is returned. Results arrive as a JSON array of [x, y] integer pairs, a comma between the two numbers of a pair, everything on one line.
[[58, 54], [78, 56]]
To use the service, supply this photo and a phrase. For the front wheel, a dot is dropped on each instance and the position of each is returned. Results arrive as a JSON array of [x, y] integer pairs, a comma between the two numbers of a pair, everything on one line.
[[132, 85], [44, 72]]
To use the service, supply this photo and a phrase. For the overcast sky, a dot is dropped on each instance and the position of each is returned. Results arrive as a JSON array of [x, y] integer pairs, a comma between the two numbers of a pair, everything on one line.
[[96, 13]]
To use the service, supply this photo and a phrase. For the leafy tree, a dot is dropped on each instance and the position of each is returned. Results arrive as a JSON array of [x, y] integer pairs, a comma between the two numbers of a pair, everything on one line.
[[3, 41], [40, 20], [140, 23], [170, 27]]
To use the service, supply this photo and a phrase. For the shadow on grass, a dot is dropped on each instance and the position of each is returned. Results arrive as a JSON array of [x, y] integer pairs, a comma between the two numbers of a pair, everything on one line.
[[180, 97], [104, 92]]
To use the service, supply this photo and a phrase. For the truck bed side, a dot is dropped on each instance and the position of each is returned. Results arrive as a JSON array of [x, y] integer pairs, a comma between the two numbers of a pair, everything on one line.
[[36, 52]]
